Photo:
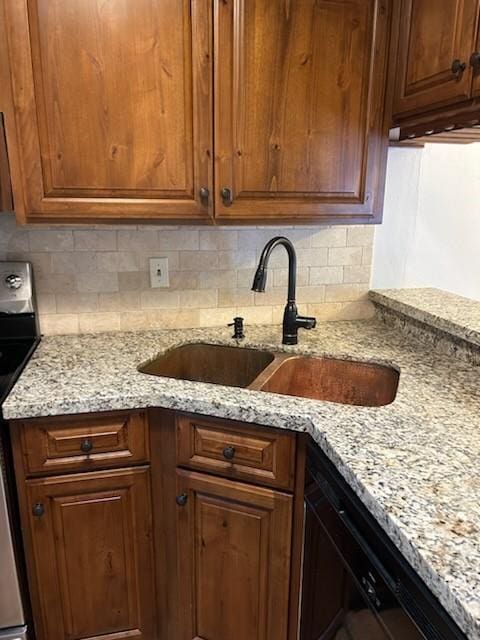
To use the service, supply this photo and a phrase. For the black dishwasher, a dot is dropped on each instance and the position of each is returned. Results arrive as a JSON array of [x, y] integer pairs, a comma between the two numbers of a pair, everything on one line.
[[356, 584]]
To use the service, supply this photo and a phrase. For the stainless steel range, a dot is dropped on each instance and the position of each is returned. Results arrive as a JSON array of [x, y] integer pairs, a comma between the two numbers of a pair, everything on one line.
[[18, 339]]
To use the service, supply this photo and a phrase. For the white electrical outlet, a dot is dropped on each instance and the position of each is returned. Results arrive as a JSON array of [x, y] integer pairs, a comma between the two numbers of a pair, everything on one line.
[[159, 272]]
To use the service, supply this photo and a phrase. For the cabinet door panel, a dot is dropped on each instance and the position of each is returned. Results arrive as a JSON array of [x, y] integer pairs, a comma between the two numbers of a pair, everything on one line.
[[113, 106], [234, 560], [6, 203], [299, 90], [476, 69], [93, 555], [434, 34]]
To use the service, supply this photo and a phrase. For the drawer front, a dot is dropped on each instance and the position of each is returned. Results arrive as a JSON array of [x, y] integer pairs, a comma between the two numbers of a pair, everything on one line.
[[82, 443], [256, 454]]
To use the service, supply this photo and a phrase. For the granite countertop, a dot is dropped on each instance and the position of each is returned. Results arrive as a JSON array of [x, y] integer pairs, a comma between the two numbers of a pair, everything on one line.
[[413, 463], [458, 316]]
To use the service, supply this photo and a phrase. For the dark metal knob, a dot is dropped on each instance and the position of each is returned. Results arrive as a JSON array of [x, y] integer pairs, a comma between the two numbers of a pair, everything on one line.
[[227, 196], [458, 67], [229, 453], [475, 61], [181, 500], [86, 446], [38, 509], [204, 195]]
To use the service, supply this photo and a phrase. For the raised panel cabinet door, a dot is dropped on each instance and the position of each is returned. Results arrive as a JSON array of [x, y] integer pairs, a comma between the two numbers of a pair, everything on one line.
[[92, 552], [475, 64], [436, 42], [113, 107], [299, 109], [6, 202], [234, 549]]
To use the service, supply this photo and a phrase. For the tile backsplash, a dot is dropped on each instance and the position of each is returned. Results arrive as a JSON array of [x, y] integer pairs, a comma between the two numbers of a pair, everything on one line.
[[91, 279]]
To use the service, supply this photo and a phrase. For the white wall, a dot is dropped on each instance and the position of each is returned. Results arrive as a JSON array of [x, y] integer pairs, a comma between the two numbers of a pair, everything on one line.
[[431, 231]]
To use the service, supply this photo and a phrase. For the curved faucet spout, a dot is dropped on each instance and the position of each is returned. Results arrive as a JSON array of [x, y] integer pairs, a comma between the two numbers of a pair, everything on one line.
[[260, 278]]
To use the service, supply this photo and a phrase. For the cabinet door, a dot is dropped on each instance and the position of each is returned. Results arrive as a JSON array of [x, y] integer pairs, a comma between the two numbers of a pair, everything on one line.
[[475, 64], [92, 551], [234, 559], [299, 95], [112, 103], [6, 203], [435, 37]]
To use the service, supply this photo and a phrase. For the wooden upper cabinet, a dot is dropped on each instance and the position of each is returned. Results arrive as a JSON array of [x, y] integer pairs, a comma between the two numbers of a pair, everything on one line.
[[475, 64], [91, 551], [112, 103], [299, 103], [6, 203], [437, 40], [234, 550]]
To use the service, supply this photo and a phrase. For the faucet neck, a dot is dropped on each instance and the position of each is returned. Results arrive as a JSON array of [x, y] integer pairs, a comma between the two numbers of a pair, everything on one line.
[[292, 262]]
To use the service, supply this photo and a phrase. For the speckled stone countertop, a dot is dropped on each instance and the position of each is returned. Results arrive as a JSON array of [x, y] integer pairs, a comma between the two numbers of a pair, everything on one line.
[[413, 463], [458, 316]]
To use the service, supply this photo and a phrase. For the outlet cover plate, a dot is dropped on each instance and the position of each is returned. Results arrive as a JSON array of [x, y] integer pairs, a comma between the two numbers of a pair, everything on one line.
[[159, 273]]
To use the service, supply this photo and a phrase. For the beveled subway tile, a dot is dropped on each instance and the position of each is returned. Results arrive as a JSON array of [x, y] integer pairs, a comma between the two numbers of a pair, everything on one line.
[[339, 256], [138, 241], [50, 240], [73, 262], [95, 240], [217, 279], [330, 237], [199, 299], [133, 281], [344, 292], [98, 322], [76, 302], [218, 239], [116, 261], [357, 274], [235, 297], [360, 236], [119, 301], [178, 239], [97, 282], [198, 260], [159, 299], [325, 275], [59, 324]]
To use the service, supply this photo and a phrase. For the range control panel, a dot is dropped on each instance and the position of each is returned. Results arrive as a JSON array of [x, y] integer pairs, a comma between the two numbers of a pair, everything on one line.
[[16, 287]]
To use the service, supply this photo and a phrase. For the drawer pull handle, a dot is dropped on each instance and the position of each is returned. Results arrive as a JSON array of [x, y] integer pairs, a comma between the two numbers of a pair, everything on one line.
[[38, 510], [458, 67], [181, 500], [475, 62], [227, 197], [86, 446], [204, 196], [229, 453]]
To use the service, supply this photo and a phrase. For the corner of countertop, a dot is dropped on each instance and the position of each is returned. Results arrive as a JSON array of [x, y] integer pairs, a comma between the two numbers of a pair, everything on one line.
[[444, 311]]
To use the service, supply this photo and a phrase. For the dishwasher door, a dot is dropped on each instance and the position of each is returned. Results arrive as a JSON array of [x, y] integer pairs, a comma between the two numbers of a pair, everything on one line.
[[344, 596], [12, 617]]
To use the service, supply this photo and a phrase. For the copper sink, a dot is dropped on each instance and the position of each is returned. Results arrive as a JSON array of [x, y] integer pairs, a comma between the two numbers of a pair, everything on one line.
[[342, 381], [212, 363]]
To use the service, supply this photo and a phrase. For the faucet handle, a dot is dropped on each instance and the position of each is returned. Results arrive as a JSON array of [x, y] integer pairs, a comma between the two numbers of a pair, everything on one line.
[[237, 324], [306, 322]]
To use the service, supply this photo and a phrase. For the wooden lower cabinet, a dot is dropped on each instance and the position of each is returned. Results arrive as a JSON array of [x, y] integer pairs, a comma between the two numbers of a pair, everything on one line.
[[157, 551], [91, 548], [234, 553]]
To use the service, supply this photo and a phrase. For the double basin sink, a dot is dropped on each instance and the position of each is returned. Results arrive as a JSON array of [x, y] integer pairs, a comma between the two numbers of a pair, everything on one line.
[[341, 381]]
